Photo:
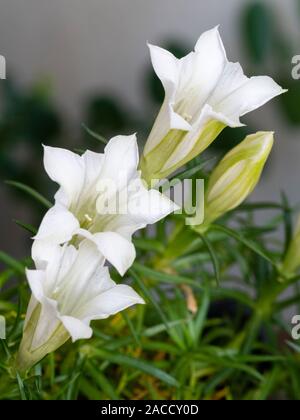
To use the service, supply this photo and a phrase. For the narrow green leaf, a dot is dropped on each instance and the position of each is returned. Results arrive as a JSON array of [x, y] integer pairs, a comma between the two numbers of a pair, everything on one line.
[[268, 385], [201, 315], [148, 244], [287, 221], [163, 277], [282, 305], [235, 295], [5, 348], [12, 263], [102, 381], [30, 191], [31, 229], [21, 388], [94, 134], [186, 174], [191, 260], [159, 346], [294, 346], [134, 363], [148, 296], [249, 244], [6, 306], [89, 391], [213, 256], [5, 276], [131, 327]]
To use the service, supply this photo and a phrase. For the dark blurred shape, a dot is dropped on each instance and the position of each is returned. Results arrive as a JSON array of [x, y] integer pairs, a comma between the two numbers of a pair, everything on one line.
[[290, 101], [257, 24], [27, 120], [270, 51], [106, 115], [230, 138]]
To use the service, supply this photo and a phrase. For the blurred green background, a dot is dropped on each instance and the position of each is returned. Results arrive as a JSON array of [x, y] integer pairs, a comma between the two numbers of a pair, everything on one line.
[[85, 65]]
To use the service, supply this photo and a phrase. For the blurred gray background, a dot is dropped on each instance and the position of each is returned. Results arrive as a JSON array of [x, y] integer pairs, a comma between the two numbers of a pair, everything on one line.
[[83, 47]]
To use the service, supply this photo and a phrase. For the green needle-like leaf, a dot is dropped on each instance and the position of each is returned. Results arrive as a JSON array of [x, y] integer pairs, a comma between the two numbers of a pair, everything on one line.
[[31, 192]]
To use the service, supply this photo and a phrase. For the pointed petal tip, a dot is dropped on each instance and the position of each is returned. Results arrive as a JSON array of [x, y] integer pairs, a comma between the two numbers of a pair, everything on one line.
[[141, 301], [266, 134], [216, 28], [76, 328], [47, 148], [208, 35]]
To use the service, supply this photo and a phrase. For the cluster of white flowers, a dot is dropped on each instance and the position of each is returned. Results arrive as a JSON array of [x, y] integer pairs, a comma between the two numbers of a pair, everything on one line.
[[71, 284], [102, 199]]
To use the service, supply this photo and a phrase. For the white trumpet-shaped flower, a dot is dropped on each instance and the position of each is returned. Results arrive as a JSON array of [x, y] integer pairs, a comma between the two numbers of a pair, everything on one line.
[[102, 198], [204, 93], [74, 289]]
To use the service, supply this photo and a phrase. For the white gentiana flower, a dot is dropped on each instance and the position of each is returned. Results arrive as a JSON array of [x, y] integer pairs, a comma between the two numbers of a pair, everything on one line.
[[204, 93], [74, 289], [81, 201]]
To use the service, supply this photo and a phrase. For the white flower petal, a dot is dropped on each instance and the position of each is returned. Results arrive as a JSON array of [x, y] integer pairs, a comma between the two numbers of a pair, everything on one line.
[[67, 169], [117, 250], [211, 42], [35, 279], [84, 278], [41, 252], [165, 65], [120, 161], [112, 301], [76, 328], [202, 69], [58, 225], [149, 206], [166, 120], [93, 165], [31, 307], [236, 94], [60, 260], [48, 320], [177, 122], [191, 139], [47, 324]]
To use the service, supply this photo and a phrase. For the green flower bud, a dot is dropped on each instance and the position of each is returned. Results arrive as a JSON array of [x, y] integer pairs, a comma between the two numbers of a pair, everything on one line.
[[291, 262], [236, 176]]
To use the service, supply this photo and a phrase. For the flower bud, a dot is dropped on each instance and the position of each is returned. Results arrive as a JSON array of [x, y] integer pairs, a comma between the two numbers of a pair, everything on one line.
[[291, 262], [236, 176]]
